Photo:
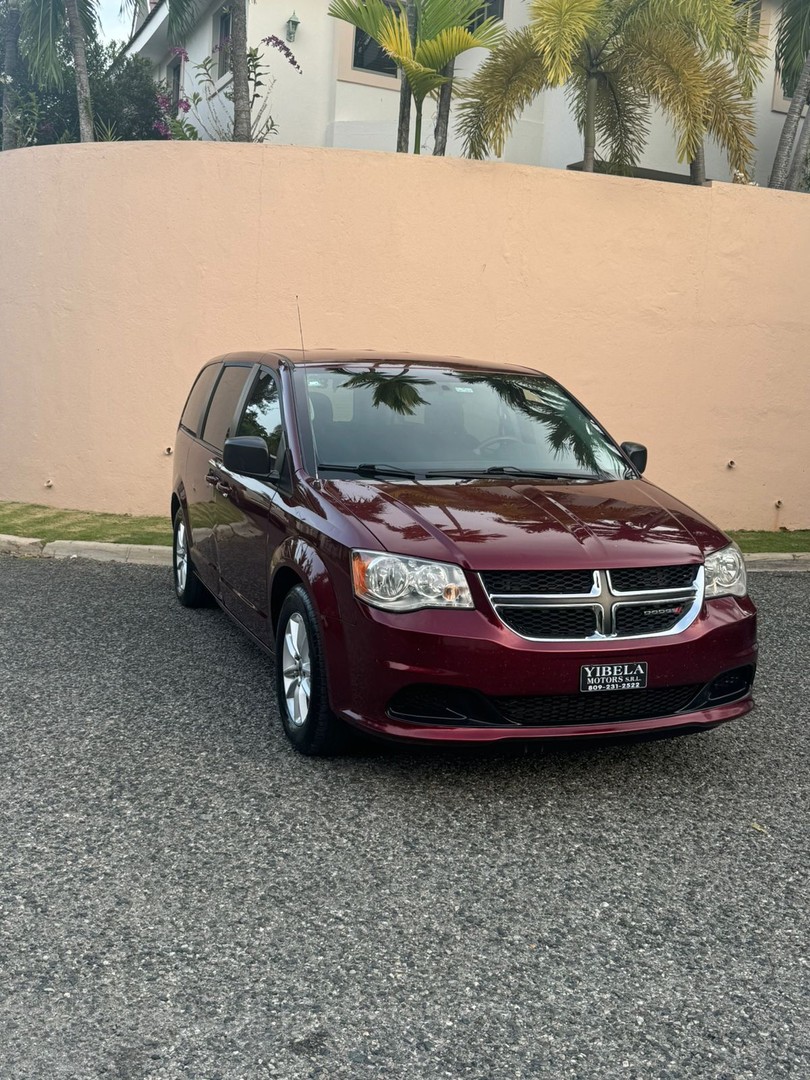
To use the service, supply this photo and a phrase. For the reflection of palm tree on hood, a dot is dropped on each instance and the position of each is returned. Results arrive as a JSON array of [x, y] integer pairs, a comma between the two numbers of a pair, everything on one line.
[[567, 427], [398, 392]]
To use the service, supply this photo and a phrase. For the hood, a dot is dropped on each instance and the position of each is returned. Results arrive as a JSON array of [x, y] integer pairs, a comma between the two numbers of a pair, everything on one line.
[[517, 524]]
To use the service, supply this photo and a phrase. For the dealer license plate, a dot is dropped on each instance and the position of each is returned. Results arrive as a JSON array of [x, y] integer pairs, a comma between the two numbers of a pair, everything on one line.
[[612, 677]]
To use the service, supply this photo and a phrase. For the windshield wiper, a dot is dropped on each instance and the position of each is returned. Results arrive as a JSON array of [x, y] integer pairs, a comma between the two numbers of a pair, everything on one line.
[[513, 470], [365, 469]]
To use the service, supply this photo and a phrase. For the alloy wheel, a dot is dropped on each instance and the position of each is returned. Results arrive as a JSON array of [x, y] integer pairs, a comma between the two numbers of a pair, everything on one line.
[[296, 670], [181, 557]]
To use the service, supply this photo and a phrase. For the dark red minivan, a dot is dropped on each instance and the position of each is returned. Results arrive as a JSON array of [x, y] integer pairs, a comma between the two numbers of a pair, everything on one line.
[[443, 550]]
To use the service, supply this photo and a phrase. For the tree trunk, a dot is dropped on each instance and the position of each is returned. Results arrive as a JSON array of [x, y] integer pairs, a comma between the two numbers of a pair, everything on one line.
[[239, 65], [417, 134], [79, 52], [443, 115], [784, 151], [10, 70], [404, 130], [403, 134], [697, 167], [797, 169], [590, 125]]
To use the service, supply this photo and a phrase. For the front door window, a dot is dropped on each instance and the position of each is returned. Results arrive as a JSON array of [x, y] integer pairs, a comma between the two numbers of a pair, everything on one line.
[[262, 415]]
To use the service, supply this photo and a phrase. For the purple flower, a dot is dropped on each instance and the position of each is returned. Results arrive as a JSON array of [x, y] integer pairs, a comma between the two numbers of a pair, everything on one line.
[[276, 43], [183, 105], [162, 128], [178, 50], [163, 103]]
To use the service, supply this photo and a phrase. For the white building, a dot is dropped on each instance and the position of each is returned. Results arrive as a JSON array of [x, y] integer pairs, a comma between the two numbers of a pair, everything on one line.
[[346, 94]]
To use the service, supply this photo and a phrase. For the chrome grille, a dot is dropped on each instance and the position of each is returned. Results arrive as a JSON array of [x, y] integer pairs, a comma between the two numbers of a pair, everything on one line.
[[593, 605]]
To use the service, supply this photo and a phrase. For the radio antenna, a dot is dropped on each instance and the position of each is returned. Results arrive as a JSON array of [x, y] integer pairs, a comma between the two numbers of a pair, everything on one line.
[[300, 327], [310, 410]]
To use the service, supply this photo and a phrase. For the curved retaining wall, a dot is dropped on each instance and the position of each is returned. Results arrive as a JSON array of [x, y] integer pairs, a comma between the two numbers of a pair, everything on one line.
[[679, 315]]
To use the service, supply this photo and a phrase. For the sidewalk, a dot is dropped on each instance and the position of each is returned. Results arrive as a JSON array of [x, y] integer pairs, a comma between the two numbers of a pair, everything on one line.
[[160, 555]]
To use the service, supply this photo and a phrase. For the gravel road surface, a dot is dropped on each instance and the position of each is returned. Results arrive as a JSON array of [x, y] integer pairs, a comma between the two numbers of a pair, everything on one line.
[[181, 895]]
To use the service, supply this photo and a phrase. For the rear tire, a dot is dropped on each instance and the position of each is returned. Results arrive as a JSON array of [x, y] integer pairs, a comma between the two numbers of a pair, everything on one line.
[[189, 589], [303, 701]]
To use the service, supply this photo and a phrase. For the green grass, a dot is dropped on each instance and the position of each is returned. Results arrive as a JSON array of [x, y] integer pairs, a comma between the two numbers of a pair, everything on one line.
[[772, 541], [46, 523]]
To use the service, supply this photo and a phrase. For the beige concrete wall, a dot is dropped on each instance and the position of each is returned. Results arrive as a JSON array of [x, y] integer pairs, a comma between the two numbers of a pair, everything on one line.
[[678, 315]]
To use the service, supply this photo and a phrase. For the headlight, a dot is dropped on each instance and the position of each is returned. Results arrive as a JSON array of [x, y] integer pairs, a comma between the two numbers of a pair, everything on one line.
[[395, 583], [725, 573]]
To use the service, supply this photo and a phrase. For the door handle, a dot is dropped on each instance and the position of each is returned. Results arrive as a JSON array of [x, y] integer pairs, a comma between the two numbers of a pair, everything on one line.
[[212, 479], [223, 488]]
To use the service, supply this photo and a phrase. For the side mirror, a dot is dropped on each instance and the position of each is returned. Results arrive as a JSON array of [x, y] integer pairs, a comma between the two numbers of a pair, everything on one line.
[[246, 454], [635, 452]]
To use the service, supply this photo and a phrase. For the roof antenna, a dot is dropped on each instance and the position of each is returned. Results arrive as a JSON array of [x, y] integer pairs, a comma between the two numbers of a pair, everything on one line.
[[310, 410], [300, 327]]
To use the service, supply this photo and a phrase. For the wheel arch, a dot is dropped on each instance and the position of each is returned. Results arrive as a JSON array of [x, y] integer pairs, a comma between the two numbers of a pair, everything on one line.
[[297, 562], [284, 581]]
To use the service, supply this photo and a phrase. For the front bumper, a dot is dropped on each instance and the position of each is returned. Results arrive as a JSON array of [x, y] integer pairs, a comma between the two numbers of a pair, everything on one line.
[[469, 650]]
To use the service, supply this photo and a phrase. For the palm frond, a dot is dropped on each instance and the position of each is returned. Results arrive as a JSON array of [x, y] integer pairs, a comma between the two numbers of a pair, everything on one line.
[[42, 24], [422, 80], [622, 117], [672, 71], [730, 117], [182, 20], [509, 79], [715, 19], [747, 48], [792, 42], [438, 51], [367, 15], [433, 16], [88, 16], [393, 35], [559, 28]]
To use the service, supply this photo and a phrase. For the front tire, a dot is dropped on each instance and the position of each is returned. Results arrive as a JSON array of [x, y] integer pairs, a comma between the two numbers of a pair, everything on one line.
[[189, 589], [303, 701]]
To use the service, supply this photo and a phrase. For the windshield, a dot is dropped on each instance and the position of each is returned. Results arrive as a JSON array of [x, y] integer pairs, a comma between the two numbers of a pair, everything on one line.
[[414, 420]]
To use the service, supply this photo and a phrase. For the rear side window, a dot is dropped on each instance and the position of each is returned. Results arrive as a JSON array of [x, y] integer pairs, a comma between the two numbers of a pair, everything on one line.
[[198, 399], [223, 405], [262, 415]]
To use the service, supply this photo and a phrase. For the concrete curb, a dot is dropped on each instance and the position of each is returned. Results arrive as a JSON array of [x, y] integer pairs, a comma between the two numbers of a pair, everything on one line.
[[134, 554], [159, 555], [778, 560]]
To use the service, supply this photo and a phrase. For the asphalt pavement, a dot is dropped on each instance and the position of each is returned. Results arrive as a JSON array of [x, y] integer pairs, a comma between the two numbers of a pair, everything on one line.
[[181, 895]]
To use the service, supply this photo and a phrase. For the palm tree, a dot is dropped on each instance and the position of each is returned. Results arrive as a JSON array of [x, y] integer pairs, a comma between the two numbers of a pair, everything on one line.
[[441, 32], [696, 60], [42, 27], [793, 64]]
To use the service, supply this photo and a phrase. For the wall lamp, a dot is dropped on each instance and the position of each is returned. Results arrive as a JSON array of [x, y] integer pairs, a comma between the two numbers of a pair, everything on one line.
[[292, 25]]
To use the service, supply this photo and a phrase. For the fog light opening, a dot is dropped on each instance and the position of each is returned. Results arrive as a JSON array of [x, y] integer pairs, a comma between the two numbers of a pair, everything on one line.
[[731, 685]]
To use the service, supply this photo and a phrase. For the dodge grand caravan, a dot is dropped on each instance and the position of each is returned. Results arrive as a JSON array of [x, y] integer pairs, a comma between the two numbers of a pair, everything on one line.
[[439, 550]]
